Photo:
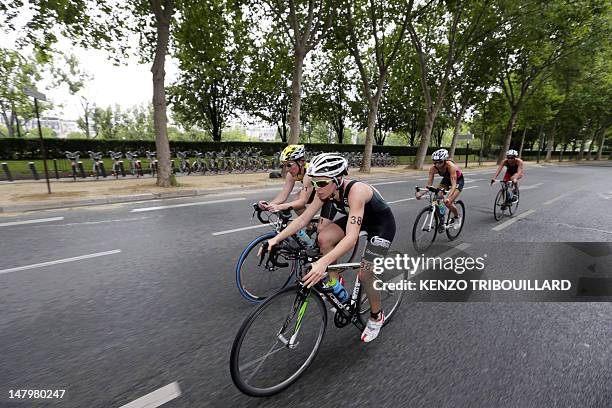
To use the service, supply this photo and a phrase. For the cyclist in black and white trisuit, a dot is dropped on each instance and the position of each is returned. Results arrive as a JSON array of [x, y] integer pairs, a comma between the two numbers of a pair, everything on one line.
[[364, 209], [292, 157]]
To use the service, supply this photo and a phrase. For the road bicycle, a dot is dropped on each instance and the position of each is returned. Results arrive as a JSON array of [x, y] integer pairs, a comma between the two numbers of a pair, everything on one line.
[[434, 219], [199, 165], [117, 163], [75, 164], [135, 164], [255, 281], [184, 166], [506, 200], [97, 167], [280, 339]]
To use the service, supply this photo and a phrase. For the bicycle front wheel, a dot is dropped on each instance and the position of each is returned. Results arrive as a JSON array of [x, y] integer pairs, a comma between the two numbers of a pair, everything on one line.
[[278, 342], [256, 282], [499, 208], [424, 230], [451, 232], [514, 205]]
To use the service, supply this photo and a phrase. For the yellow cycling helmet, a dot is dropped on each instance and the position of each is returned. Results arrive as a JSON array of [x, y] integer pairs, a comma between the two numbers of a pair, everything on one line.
[[292, 152]]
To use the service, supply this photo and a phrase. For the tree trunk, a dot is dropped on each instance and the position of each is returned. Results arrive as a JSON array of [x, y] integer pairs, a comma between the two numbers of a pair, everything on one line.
[[522, 142], [589, 155], [581, 151], [367, 153], [508, 134], [456, 131], [424, 144], [296, 89], [160, 121], [601, 144], [550, 142]]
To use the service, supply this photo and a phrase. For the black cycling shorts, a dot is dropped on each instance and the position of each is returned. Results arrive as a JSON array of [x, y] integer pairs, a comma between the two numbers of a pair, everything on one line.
[[446, 184], [380, 229]]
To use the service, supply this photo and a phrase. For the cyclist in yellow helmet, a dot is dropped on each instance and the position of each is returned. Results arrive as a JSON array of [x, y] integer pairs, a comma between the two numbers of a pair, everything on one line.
[[293, 158]]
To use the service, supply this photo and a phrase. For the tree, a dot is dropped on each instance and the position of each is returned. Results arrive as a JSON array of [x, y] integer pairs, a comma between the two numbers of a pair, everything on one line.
[[440, 38], [16, 73], [536, 38], [267, 92], [383, 25], [306, 23], [328, 90], [212, 44]]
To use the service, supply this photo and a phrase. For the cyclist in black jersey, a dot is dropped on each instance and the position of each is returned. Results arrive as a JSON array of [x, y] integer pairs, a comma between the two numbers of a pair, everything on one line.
[[514, 170], [363, 208], [292, 157]]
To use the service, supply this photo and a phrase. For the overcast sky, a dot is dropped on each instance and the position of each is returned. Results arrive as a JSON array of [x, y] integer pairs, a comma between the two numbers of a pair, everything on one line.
[[126, 85]]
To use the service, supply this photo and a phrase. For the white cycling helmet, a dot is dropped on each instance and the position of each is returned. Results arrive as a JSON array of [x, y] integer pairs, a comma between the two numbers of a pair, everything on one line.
[[440, 154], [511, 153], [327, 165], [292, 152]]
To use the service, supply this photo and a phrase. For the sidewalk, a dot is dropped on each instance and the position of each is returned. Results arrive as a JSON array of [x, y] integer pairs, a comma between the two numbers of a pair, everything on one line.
[[32, 196]]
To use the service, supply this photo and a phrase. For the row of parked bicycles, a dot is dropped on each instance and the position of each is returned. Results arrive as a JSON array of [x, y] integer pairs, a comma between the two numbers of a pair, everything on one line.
[[195, 162]]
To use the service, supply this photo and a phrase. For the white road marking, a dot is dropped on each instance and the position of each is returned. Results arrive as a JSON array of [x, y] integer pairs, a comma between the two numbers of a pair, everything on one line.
[[521, 188], [399, 201], [513, 220], [8, 224], [104, 221], [163, 207], [239, 229], [555, 199], [59, 261], [472, 180], [156, 398], [390, 182], [467, 188], [584, 228]]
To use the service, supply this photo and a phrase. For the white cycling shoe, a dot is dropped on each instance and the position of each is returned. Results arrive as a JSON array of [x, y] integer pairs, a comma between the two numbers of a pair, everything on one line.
[[373, 328]]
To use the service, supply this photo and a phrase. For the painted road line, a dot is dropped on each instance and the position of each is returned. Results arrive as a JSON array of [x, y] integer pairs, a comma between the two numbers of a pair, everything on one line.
[[521, 188], [391, 182], [163, 207], [467, 188], [157, 397], [8, 224], [513, 220], [59, 261], [555, 199], [399, 201], [467, 180], [239, 229]]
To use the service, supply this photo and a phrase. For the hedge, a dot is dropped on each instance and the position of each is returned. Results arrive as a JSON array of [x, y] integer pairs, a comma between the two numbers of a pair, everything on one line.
[[29, 149]]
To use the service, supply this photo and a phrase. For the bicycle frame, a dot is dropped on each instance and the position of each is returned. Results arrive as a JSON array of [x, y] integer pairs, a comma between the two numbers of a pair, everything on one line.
[[434, 199]]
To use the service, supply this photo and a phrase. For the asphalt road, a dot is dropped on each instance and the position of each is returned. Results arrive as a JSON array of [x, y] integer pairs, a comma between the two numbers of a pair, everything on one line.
[[144, 296]]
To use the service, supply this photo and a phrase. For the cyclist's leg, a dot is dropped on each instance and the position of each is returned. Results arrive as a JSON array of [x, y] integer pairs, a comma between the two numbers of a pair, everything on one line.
[[454, 196], [329, 235], [380, 236]]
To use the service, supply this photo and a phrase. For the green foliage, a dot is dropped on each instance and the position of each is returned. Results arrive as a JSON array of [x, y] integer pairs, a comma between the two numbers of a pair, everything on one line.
[[211, 43]]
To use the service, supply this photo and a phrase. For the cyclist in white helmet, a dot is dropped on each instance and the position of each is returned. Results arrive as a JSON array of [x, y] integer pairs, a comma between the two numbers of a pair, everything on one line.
[[293, 158], [364, 209], [452, 181], [514, 170]]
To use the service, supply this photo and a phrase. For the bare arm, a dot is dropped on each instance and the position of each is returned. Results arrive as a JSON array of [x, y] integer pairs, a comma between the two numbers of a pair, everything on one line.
[[358, 197], [499, 169], [284, 193], [303, 196], [300, 222], [519, 172]]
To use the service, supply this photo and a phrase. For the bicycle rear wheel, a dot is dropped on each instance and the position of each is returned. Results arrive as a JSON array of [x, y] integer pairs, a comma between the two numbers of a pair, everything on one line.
[[499, 208], [391, 293], [422, 235], [256, 282], [452, 233], [278, 342]]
